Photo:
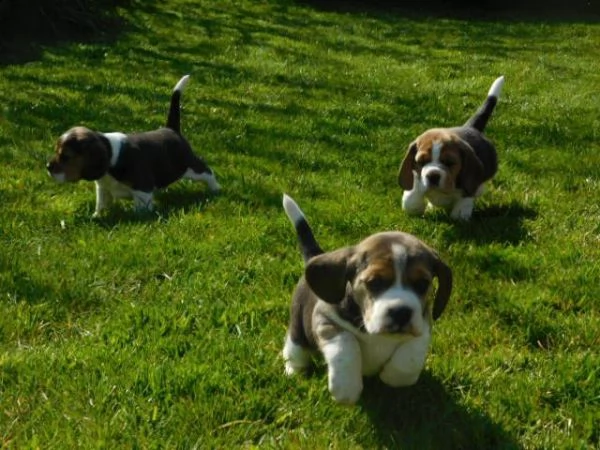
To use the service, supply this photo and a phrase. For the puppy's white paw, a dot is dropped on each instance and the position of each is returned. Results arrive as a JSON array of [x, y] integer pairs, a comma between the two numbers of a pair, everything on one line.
[[413, 203], [345, 389], [414, 211], [297, 358], [463, 209], [291, 369], [461, 214], [212, 182]]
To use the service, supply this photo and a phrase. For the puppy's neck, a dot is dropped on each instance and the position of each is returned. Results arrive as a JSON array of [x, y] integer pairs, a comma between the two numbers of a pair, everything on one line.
[[116, 141]]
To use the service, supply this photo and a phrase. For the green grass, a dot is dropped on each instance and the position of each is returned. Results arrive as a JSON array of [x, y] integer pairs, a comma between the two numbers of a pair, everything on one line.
[[165, 331]]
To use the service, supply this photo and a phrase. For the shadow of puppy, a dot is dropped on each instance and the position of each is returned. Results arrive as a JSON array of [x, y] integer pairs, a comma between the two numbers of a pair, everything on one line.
[[427, 416]]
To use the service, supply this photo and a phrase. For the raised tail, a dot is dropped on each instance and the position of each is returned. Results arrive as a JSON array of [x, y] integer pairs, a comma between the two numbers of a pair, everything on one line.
[[480, 119], [174, 118], [308, 244]]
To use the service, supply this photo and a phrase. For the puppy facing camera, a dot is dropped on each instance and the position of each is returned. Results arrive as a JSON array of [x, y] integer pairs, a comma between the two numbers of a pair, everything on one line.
[[130, 165], [448, 167], [368, 309]]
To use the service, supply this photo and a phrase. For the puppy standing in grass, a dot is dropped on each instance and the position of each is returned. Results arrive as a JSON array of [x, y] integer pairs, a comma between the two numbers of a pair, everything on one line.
[[130, 165], [366, 308], [449, 166]]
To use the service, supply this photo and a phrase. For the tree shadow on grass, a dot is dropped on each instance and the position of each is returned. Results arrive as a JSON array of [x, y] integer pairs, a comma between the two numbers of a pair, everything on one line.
[[27, 27], [527, 10], [427, 416]]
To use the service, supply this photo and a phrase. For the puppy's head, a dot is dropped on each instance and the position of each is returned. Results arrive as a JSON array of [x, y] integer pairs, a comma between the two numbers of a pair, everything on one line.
[[80, 154], [442, 161], [390, 276]]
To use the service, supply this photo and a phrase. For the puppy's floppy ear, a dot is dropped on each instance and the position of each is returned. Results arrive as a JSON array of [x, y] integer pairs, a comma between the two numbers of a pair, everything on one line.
[[96, 157], [444, 276], [471, 174], [328, 274], [405, 174]]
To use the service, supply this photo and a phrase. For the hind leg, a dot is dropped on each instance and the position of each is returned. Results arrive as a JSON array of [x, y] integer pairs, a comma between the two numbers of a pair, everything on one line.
[[297, 358], [207, 177], [142, 201], [199, 171]]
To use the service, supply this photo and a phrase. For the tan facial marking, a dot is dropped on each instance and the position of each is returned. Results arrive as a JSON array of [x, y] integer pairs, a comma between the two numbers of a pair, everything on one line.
[[381, 269], [67, 160], [418, 277], [79, 154], [440, 147]]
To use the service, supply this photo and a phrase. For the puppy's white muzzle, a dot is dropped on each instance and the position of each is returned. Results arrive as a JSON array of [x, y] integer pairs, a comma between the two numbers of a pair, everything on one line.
[[433, 176], [397, 311]]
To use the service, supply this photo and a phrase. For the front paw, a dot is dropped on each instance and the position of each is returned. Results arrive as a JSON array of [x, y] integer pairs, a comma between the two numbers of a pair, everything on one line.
[[291, 369], [143, 209], [345, 389], [414, 211], [413, 203], [462, 213]]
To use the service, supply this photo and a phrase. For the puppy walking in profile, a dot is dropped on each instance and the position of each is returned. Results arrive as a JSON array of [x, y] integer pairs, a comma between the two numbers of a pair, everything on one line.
[[130, 165], [365, 307], [449, 166]]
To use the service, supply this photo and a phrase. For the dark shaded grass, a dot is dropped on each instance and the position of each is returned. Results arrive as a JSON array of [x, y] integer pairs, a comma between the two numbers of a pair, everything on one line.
[[28, 27], [534, 10]]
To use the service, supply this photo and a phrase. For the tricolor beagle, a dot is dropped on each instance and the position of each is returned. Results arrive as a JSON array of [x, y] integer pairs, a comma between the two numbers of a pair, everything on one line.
[[449, 166], [130, 165], [366, 308]]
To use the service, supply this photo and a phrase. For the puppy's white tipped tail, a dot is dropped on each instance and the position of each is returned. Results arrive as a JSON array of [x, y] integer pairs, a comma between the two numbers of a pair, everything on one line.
[[174, 117], [308, 245], [182, 83], [496, 87], [292, 210]]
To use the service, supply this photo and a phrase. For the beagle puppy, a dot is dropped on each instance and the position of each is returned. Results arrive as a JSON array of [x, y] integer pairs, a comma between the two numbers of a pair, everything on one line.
[[366, 308], [130, 165], [449, 166]]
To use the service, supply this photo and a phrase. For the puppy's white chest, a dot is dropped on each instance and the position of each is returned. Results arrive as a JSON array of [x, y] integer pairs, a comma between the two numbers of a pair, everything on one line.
[[443, 199], [376, 351], [115, 188]]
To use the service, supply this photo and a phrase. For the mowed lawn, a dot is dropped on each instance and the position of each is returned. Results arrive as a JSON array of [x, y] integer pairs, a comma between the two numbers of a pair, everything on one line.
[[165, 330]]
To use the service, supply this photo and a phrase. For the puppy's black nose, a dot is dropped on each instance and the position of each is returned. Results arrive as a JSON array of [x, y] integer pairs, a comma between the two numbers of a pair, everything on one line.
[[401, 316], [433, 178]]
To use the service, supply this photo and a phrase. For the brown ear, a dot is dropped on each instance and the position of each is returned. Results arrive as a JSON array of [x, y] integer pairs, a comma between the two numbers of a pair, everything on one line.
[[471, 173], [96, 158], [444, 275], [328, 274], [405, 174]]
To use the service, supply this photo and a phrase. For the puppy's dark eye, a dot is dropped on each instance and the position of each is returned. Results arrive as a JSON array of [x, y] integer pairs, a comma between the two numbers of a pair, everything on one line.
[[420, 164], [421, 286], [377, 284]]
